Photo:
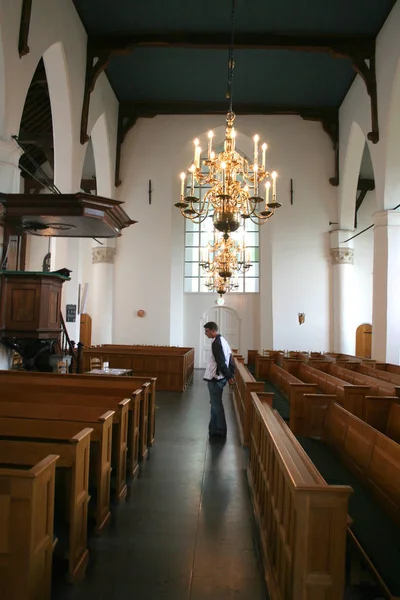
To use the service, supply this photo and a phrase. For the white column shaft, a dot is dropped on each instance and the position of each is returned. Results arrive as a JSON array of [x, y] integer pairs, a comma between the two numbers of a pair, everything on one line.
[[386, 306]]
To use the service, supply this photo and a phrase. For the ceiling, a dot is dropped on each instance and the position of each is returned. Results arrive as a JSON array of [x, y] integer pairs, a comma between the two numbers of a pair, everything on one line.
[[171, 57]]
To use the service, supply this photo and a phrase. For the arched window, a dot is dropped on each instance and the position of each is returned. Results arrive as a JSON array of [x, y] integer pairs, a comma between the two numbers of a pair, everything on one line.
[[198, 236]]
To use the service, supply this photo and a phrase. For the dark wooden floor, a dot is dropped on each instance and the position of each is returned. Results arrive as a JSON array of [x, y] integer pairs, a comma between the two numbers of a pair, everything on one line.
[[187, 531]]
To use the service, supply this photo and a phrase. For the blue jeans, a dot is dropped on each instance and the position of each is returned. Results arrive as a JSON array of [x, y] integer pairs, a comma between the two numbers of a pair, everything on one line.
[[217, 424]]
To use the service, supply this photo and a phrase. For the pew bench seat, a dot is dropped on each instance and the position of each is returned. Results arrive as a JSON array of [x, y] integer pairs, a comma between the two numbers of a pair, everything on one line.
[[371, 526]]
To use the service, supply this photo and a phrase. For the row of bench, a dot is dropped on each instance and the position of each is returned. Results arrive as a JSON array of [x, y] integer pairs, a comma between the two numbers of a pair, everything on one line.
[[369, 462], [95, 430]]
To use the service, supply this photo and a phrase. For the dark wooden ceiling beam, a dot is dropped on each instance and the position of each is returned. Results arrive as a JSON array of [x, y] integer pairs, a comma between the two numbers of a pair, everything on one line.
[[25, 24], [346, 45], [357, 49], [130, 112]]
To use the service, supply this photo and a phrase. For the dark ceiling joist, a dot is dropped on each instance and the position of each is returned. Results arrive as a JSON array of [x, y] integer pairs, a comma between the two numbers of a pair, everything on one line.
[[96, 62], [25, 24], [130, 112], [357, 49], [344, 45]]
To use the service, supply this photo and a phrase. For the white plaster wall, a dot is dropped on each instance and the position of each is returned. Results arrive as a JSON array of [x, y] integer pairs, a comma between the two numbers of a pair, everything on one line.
[[148, 271]]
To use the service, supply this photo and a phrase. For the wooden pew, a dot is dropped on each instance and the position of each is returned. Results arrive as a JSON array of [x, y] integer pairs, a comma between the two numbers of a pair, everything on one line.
[[122, 434], [74, 458], [373, 372], [243, 386], [26, 530], [355, 377], [302, 520], [384, 416], [172, 365], [350, 396], [89, 384], [370, 457], [74, 420]]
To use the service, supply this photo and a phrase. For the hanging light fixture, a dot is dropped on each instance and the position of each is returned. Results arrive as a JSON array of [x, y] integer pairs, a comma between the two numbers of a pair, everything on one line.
[[225, 258], [221, 285], [238, 190]]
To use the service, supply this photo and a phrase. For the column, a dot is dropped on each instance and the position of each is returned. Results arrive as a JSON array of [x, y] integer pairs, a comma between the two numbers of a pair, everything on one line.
[[386, 277], [10, 175], [10, 182], [343, 309], [103, 258]]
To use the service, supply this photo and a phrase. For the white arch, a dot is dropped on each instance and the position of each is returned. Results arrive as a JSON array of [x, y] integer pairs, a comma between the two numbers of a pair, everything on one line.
[[351, 171], [392, 176], [102, 157], [65, 176]]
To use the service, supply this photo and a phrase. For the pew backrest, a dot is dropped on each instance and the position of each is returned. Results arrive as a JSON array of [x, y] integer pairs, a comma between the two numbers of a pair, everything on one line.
[[368, 453]]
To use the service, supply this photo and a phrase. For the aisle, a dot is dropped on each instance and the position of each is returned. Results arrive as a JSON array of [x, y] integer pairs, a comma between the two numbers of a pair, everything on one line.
[[186, 532]]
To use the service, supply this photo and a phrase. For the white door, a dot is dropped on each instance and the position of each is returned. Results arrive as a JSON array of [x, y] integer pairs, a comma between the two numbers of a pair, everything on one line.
[[228, 326]]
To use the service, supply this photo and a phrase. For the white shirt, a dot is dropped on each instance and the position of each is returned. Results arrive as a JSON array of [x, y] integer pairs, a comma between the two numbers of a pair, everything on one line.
[[212, 367]]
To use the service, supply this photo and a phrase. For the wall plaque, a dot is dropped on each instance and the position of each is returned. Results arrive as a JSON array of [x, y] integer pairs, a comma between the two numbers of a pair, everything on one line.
[[71, 313]]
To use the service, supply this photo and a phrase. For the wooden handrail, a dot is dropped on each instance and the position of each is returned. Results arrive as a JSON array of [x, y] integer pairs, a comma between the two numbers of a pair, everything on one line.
[[67, 347]]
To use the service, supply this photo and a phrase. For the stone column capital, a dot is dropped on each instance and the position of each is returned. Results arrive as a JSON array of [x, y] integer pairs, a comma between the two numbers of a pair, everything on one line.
[[342, 256], [104, 254]]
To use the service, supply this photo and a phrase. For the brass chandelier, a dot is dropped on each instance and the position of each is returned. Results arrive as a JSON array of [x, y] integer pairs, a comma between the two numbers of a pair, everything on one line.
[[238, 190], [224, 258], [220, 284]]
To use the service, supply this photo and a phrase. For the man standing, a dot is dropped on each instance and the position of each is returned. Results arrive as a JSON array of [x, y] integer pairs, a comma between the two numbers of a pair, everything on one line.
[[217, 374]]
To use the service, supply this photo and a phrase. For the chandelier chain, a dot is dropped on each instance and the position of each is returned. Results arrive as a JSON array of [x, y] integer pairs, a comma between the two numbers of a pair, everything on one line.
[[231, 60]]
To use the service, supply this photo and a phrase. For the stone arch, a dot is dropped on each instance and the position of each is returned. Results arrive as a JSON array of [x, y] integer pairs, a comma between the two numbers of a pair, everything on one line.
[[351, 170], [102, 157], [55, 61], [392, 177]]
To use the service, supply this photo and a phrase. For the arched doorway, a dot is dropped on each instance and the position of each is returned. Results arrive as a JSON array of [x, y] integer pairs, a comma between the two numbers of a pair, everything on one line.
[[364, 340], [228, 323]]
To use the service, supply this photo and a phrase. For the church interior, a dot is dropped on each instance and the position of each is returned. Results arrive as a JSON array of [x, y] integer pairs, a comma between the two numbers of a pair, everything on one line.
[[164, 166]]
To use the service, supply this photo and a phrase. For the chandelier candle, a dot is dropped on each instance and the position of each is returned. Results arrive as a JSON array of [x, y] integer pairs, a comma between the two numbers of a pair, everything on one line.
[[232, 194]]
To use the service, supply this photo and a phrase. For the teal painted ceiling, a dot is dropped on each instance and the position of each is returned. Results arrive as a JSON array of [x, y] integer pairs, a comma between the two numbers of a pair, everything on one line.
[[191, 73]]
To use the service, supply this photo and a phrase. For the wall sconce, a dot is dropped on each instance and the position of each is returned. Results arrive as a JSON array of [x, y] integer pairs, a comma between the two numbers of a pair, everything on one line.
[[302, 318]]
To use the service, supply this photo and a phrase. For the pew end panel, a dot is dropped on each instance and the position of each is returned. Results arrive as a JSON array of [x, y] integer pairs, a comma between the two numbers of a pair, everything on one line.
[[26, 530], [353, 399], [309, 414], [393, 422], [377, 410], [144, 421], [134, 436], [74, 459], [120, 448], [262, 367], [79, 502], [296, 401], [266, 398]]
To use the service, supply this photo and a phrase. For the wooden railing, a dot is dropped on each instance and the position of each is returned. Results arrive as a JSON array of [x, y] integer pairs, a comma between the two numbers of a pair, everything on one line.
[[244, 385], [69, 348]]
